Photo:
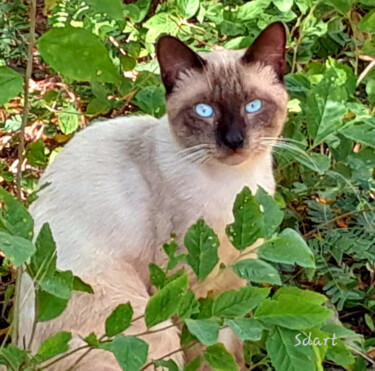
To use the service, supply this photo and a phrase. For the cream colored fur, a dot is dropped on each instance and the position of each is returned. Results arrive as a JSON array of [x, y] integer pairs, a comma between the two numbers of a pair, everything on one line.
[[117, 191]]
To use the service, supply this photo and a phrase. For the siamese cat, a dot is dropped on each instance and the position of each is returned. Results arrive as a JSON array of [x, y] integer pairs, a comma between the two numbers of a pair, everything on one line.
[[121, 187]]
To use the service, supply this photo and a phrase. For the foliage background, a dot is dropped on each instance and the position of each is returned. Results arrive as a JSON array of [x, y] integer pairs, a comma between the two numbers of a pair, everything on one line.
[[95, 60]]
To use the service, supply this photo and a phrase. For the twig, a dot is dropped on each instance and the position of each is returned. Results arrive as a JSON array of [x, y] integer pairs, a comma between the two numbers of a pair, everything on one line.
[[365, 72], [21, 148]]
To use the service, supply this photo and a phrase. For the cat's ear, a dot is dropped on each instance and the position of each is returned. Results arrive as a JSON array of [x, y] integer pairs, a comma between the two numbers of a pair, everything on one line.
[[269, 48], [175, 57]]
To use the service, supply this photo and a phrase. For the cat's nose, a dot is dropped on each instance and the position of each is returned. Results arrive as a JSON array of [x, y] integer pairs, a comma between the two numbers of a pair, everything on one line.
[[233, 138]]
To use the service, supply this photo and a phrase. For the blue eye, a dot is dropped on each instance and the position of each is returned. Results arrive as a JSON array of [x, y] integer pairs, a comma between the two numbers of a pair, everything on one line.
[[204, 110], [254, 106]]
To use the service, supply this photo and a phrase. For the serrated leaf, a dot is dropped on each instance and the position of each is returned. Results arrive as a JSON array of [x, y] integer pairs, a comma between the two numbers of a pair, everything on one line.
[[166, 302], [248, 223], [14, 217], [236, 303], [130, 352], [161, 23], [11, 83], [119, 320], [292, 312], [202, 244], [68, 120], [112, 8], [54, 345], [251, 10], [220, 359], [17, 249], [285, 355], [77, 54], [255, 270], [288, 248], [205, 330], [246, 328]]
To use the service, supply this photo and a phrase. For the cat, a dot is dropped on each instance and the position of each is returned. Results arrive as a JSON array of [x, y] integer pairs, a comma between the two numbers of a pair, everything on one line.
[[121, 187]]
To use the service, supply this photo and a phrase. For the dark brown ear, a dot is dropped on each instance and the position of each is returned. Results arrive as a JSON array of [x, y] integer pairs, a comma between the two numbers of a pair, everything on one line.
[[269, 48], [175, 57]]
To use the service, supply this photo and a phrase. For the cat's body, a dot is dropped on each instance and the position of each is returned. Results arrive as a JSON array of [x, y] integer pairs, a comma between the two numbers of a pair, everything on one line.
[[121, 187]]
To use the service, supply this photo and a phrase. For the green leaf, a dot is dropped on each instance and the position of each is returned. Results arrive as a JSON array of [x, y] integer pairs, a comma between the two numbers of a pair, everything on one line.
[[324, 107], [307, 295], [248, 223], [235, 303], [169, 365], [92, 340], [285, 355], [194, 364], [339, 353], [58, 284], [43, 262], [187, 8], [363, 132], [289, 248], [205, 330], [254, 270], [283, 5], [313, 161], [54, 345], [251, 10], [189, 305], [151, 100], [10, 84], [292, 312], [68, 120], [14, 217], [202, 244], [367, 23], [77, 54], [161, 23], [12, 356], [49, 306], [157, 275], [343, 6], [119, 320], [137, 11], [113, 8], [130, 352], [166, 302], [220, 359], [17, 249], [273, 216], [79, 285], [246, 328], [35, 154]]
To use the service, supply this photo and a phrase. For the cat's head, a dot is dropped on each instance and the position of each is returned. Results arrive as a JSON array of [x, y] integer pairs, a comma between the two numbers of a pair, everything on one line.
[[224, 104]]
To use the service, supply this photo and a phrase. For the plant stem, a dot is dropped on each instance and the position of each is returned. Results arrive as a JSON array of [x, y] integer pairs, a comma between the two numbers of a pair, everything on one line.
[[21, 148]]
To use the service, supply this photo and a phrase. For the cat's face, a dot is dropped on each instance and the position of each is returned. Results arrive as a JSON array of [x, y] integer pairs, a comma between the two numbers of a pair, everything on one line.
[[226, 104]]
